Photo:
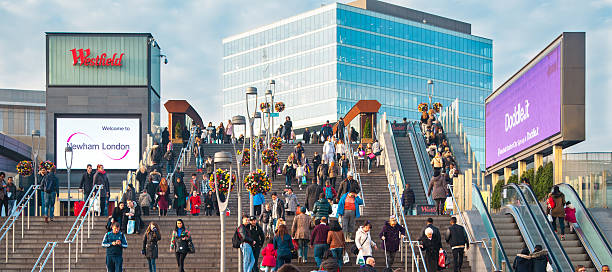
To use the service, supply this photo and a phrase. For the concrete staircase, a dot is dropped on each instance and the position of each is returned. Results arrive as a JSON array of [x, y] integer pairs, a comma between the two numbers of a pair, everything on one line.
[[509, 234], [410, 169]]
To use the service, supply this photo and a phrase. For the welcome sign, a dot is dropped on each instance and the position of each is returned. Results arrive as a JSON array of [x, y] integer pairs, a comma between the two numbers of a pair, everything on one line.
[[113, 142], [526, 112]]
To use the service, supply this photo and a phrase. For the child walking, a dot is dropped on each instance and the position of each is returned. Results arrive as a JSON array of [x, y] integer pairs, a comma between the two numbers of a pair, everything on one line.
[[570, 215], [195, 202], [269, 256]]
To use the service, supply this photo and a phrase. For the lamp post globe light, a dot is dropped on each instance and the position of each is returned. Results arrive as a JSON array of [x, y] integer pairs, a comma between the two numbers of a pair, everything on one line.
[[68, 154], [222, 159], [251, 91], [35, 151]]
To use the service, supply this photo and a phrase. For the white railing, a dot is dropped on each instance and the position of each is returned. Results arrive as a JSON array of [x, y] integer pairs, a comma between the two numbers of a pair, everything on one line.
[[85, 214], [22, 207], [51, 252], [351, 157], [184, 154]]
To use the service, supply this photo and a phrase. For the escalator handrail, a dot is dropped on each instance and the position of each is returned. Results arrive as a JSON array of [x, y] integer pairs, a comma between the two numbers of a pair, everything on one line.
[[499, 242], [397, 158], [522, 198], [422, 146], [422, 167], [595, 225]]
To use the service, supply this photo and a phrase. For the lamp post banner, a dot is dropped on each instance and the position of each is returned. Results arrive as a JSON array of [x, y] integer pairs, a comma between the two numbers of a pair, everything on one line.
[[526, 112]]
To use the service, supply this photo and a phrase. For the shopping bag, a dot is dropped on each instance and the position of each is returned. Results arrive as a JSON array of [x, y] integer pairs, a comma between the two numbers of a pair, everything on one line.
[[441, 259], [304, 182], [334, 211], [449, 203], [78, 206], [131, 224], [550, 219], [345, 258]]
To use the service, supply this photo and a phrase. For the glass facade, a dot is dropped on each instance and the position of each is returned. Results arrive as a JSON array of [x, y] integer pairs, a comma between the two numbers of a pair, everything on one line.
[[22, 111], [326, 60]]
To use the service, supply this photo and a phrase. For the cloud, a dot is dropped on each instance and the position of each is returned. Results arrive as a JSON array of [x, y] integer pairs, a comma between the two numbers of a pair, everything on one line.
[[190, 33]]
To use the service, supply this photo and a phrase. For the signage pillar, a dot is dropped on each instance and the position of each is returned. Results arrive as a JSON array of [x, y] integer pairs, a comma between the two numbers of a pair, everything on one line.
[[507, 174], [522, 167], [557, 164], [538, 160]]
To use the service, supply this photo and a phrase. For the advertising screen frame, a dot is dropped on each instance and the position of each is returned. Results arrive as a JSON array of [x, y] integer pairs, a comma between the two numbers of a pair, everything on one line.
[[101, 116], [572, 94]]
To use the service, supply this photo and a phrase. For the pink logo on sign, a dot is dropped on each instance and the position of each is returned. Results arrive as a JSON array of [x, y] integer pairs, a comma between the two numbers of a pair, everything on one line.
[[86, 146]]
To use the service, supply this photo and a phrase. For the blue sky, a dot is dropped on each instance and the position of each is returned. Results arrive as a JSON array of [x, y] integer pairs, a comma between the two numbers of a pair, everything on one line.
[[190, 33]]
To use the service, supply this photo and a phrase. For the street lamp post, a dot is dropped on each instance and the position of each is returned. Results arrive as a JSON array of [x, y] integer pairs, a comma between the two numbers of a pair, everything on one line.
[[68, 152], [239, 120], [271, 92], [35, 151], [222, 158], [251, 91]]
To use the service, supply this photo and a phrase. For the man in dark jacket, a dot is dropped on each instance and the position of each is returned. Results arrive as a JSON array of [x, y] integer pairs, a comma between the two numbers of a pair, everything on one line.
[[87, 181], [347, 185], [100, 178], [408, 199], [306, 136], [392, 235], [50, 187], [340, 129], [316, 160], [322, 208], [257, 234], [287, 130], [539, 258], [522, 262], [437, 238], [278, 209], [457, 238], [313, 191], [114, 241], [130, 194], [246, 243]]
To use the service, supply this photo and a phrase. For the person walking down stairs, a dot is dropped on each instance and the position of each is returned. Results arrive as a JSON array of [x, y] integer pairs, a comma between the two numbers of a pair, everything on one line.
[[114, 241], [179, 243], [392, 235], [149, 245]]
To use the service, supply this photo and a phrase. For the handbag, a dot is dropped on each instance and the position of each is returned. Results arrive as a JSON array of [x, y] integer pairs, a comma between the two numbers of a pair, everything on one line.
[[294, 253], [355, 249], [441, 259], [131, 224], [190, 246], [371, 156]]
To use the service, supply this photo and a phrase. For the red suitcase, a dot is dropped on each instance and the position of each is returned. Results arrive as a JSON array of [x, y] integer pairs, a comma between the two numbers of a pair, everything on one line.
[[78, 206]]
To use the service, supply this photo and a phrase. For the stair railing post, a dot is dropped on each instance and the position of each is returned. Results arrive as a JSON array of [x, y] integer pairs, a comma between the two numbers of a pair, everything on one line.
[[22, 220], [6, 251], [53, 261], [76, 250], [69, 257], [82, 240], [13, 239]]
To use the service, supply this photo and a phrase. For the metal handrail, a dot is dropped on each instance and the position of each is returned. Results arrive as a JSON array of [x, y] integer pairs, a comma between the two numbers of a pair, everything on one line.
[[51, 252], [421, 165], [471, 239], [76, 228], [182, 155], [21, 207], [356, 175], [399, 162]]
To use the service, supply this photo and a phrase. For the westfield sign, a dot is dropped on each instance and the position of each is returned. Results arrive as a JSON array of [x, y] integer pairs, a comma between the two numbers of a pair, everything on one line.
[[82, 57]]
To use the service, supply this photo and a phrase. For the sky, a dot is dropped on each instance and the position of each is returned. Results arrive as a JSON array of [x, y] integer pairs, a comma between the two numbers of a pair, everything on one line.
[[190, 34]]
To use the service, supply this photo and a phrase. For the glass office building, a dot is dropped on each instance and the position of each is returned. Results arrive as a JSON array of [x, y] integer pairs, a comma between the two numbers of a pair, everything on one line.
[[325, 60]]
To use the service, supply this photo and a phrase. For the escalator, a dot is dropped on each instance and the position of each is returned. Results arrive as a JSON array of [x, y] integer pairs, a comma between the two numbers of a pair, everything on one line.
[[588, 233], [520, 202], [419, 149]]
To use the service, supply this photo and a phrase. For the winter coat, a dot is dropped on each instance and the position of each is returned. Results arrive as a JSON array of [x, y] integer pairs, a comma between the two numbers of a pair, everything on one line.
[[292, 202], [259, 199], [176, 241], [333, 171], [364, 243], [392, 236], [129, 194], [195, 202], [149, 244], [256, 233], [437, 187], [322, 172], [523, 262], [126, 218], [322, 208], [300, 229], [144, 199], [102, 179], [269, 256], [347, 185], [283, 246], [408, 197], [313, 191], [358, 202], [280, 209], [180, 193], [558, 210], [335, 239], [570, 214], [539, 259], [141, 177], [319, 234], [87, 183], [456, 236], [265, 216], [162, 199]]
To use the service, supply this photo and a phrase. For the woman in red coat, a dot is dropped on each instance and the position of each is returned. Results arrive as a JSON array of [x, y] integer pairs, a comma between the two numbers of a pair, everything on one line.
[[195, 202]]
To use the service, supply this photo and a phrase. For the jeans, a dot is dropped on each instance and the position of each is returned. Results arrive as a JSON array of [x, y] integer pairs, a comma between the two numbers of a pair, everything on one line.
[[344, 172], [280, 260], [247, 257], [391, 257], [561, 224], [180, 261], [408, 209], [457, 259], [114, 263], [170, 166], [319, 250], [288, 180], [5, 203], [348, 222], [152, 266], [11, 205], [370, 163], [48, 204], [337, 253], [199, 162], [303, 248]]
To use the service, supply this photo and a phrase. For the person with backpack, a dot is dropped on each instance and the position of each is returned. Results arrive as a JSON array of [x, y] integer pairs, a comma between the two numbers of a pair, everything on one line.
[[258, 236], [179, 243], [457, 238], [50, 185], [330, 192], [322, 208], [114, 241], [242, 239]]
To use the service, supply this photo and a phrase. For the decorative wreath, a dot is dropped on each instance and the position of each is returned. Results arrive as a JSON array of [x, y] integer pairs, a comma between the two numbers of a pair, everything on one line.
[[261, 144], [223, 177], [257, 182], [423, 107], [264, 105], [246, 158], [279, 106], [276, 143], [24, 168], [437, 107], [47, 165], [270, 156]]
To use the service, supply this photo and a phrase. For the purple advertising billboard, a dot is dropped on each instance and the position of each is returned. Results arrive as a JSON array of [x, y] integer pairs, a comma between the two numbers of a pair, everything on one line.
[[526, 112]]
